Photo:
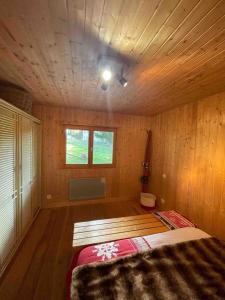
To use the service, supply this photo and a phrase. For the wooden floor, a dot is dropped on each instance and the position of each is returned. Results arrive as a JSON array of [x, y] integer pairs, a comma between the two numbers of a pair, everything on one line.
[[39, 268]]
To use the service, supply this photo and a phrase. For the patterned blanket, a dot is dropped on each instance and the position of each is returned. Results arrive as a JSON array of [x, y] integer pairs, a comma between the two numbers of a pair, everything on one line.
[[190, 270]]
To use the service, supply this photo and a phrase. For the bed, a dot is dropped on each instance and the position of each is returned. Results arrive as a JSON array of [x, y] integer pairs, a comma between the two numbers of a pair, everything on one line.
[[121, 254], [104, 230]]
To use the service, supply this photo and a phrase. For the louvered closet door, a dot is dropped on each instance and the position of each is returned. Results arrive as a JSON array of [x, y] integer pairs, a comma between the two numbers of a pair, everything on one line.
[[36, 163], [26, 171], [8, 191]]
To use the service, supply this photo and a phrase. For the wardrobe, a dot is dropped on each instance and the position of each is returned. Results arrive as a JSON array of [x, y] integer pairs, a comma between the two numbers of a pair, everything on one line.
[[20, 171]]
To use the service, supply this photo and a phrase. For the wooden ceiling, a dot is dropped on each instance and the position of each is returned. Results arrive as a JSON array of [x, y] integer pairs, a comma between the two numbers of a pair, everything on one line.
[[175, 48]]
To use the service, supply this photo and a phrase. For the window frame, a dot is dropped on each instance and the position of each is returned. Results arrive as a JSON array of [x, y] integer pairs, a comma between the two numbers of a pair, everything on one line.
[[91, 130]]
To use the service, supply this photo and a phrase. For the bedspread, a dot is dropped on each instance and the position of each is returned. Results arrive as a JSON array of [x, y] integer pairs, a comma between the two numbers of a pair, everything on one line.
[[189, 270]]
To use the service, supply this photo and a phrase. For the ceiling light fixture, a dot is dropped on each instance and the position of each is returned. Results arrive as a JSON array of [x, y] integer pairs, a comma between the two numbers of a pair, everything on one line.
[[104, 86], [111, 69], [123, 81], [106, 75]]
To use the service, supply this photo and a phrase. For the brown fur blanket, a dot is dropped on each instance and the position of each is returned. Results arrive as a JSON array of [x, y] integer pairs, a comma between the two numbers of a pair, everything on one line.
[[190, 270]]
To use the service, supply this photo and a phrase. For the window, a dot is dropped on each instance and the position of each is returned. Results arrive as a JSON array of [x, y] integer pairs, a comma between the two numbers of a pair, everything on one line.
[[77, 147], [89, 147], [103, 147]]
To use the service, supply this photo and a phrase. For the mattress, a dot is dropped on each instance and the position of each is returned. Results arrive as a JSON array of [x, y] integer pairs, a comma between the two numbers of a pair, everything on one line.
[[106, 251], [175, 236]]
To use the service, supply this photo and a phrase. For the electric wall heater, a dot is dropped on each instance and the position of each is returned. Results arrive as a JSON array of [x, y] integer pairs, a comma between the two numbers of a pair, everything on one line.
[[87, 188]]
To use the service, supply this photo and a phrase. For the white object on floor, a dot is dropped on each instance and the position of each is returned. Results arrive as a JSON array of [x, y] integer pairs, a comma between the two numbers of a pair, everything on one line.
[[175, 236], [148, 199]]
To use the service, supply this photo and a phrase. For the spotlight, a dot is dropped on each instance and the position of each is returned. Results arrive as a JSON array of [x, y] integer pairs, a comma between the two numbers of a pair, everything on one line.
[[106, 75], [104, 86], [123, 81]]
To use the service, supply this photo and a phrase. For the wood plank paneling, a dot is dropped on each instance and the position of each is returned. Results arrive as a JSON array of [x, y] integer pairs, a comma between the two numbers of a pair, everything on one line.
[[175, 49], [120, 235], [114, 225], [188, 163], [122, 228], [114, 221], [122, 181]]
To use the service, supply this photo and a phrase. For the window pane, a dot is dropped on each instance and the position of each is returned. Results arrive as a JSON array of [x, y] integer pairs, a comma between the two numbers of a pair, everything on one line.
[[103, 147], [77, 146]]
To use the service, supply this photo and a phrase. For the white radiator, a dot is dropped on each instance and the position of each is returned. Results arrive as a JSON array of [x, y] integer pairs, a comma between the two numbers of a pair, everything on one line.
[[87, 188]]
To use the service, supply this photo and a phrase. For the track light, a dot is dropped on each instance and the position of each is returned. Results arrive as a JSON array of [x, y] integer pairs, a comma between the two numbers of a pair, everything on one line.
[[104, 86], [111, 69], [123, 81], [106, 75]]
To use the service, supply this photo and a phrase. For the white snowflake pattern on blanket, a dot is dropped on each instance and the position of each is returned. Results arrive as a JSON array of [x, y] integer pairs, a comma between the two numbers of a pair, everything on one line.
[[107, 250]]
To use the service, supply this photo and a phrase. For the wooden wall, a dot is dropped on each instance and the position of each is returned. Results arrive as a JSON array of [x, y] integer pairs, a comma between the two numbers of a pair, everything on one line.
[[122, 181], [188, 165]]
